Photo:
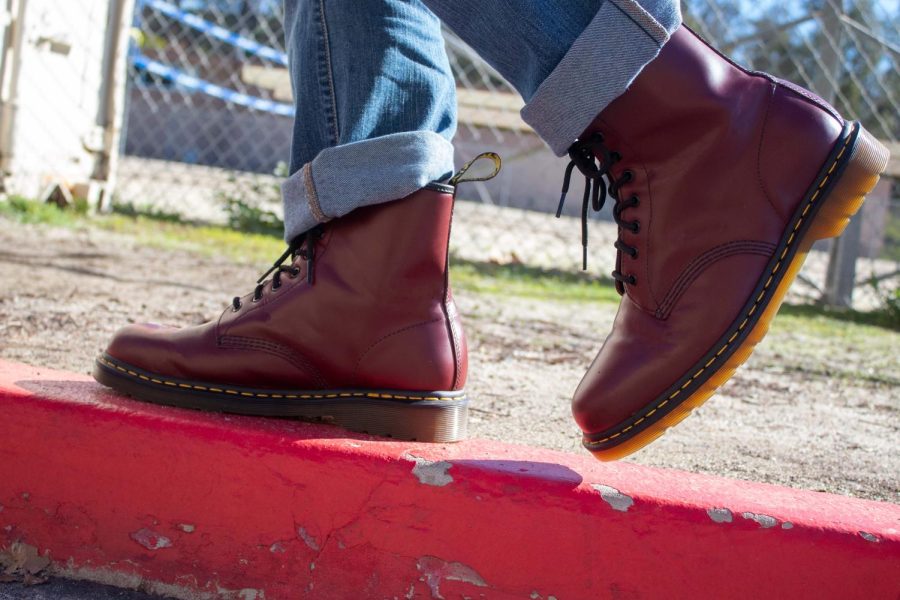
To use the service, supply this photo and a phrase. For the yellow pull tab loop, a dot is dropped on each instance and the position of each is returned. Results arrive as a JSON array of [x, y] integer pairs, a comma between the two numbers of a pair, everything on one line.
[[493, 156]]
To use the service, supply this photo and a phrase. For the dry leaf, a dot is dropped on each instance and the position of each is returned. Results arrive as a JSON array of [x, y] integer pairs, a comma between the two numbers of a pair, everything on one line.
[[22, 562]]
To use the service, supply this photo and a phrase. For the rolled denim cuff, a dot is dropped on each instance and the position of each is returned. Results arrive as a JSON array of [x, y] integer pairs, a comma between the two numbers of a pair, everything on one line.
[[598, 68], [357, 174]]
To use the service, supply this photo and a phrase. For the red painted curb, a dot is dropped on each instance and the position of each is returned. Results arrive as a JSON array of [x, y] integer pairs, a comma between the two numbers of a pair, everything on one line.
[[202, 505]]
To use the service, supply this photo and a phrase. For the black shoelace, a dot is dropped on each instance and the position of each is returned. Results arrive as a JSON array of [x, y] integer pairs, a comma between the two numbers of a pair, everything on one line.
[[303, 246], [584, 155]]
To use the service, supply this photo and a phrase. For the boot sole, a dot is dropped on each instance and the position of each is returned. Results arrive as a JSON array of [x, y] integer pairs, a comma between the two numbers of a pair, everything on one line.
[[399, 414], [849, 174]]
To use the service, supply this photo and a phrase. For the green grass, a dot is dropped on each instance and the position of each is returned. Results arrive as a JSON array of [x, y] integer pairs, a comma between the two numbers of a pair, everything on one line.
[[168, 232], [531, 282], [20, 210], [821, 343]]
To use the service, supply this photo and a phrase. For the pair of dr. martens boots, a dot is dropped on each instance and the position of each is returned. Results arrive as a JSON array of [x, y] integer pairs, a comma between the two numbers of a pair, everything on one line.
[[721, 180]]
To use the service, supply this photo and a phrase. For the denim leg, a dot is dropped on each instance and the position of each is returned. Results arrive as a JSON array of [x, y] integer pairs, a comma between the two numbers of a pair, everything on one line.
[[376, 106], [568, 60]]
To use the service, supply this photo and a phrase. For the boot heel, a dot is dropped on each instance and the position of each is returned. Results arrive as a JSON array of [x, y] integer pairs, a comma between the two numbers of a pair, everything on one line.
[[439, 421], [868, 160]]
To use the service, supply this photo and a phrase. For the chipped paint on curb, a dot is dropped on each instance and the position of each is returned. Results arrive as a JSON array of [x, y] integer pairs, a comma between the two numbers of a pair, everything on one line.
[[150, 539], [436, 570], [308, 539], [616, 499], [430, 472], [720, 515], [764, 521], [869, 537]]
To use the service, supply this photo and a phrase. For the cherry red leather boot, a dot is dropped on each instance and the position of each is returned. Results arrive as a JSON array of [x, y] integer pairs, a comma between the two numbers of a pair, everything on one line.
[[360, 330], [722, 179]]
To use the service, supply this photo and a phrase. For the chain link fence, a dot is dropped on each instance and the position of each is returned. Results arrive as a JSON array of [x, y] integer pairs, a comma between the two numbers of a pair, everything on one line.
[[208, 105]]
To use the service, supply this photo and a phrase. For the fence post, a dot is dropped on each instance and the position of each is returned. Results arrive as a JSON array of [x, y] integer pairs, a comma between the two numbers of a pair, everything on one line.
[[111, 113], [841, 274]]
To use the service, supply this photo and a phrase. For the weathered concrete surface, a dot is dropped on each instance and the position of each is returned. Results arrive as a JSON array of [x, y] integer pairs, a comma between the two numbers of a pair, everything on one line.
[[196, 505]]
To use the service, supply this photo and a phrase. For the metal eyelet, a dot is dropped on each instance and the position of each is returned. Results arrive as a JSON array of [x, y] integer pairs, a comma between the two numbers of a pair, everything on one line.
[[634, 254], [632, 279], [635, 226], [629, 174], [634, 200]]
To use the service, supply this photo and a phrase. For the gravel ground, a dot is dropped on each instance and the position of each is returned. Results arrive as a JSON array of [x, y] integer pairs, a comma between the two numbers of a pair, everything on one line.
[[816, 407], [64, 589]]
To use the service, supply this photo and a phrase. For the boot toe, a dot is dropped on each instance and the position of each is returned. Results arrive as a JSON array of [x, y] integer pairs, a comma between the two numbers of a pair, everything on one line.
[[624, 378], [146, 346]]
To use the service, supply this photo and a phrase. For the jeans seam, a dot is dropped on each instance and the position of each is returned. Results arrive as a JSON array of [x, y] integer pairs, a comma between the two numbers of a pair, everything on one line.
[[312, 197], [656, 39], [325, 66]]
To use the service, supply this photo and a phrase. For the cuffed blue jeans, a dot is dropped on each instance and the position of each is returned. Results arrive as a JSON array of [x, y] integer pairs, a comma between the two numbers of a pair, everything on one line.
[[376, 100]]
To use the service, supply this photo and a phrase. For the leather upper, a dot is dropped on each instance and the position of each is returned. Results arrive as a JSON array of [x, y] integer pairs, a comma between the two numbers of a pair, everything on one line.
[[379, 314], [720, 158]]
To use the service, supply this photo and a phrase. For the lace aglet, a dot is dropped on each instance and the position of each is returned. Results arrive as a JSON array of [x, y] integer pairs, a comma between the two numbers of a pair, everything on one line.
[[266, 274], [562, 200], [277, 264], [584, 258]]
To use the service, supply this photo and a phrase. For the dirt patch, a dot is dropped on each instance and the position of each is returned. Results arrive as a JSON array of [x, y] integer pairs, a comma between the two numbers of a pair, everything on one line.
[[816, 407]]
